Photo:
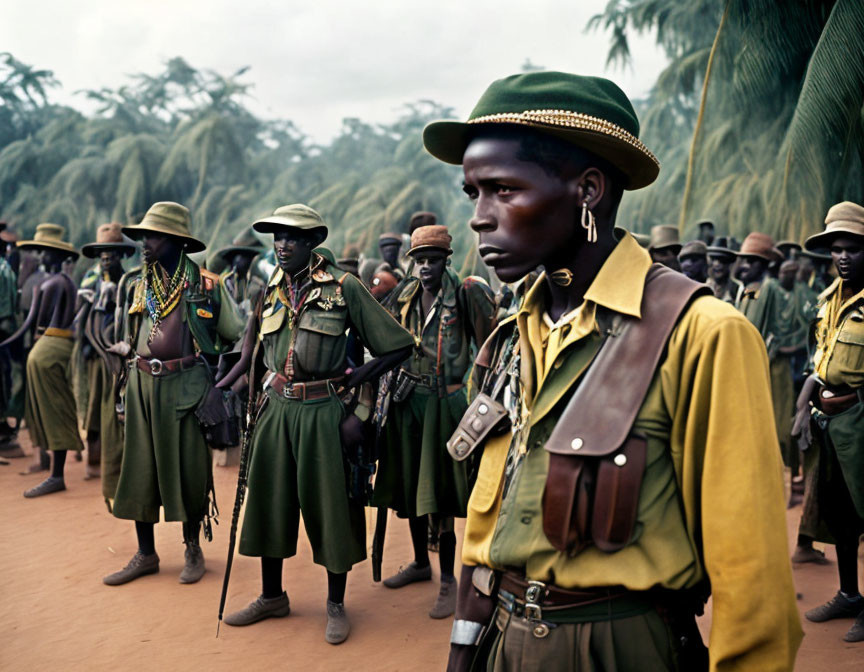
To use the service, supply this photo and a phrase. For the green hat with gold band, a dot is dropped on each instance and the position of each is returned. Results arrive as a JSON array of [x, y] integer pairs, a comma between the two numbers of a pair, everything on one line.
[[49, 236], [296, 216], [169, 219], [590, 112]]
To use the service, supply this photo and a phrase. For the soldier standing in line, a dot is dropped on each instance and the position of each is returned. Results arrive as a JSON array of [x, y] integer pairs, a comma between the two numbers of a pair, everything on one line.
[[706, 231], [8, 323], [601, 520], [50, 406], [664, 246], [174, 315], [693, 259], [389, 244], [721, 259], [831, 407], [104, 431], [297, 464], [243, 287], [417, 478], [765, 303]]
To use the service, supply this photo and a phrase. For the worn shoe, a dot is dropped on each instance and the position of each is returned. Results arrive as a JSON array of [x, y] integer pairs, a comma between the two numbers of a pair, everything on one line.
[[445, 605], [338, 626], [263, 607], [139, 565], [856, 632], [46, 487], [409, 574], [194, 568], [838, 606], [804, 554]]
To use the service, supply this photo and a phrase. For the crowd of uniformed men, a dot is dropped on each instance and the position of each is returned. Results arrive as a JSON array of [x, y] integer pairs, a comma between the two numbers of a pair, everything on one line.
[[617, 428]]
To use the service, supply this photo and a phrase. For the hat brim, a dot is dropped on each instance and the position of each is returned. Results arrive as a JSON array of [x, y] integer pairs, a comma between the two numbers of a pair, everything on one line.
[[34, 245], [137, 231], [448, 140], [721, 252], [93, 250], [276, 223], [420, 248], [819, 256], [766, 256], [824, 239], [676, 246]]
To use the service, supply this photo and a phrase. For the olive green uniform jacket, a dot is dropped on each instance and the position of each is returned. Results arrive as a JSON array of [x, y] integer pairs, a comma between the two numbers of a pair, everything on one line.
[[166, 461], [704, 418], [419, 477], [297, 461]]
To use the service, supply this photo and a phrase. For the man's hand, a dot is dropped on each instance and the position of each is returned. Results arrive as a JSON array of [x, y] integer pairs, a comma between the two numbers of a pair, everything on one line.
[[212, 409]]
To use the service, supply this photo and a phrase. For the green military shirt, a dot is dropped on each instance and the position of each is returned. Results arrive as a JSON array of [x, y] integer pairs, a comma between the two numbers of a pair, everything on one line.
[[309, 342], [763, 304], [462, 312]]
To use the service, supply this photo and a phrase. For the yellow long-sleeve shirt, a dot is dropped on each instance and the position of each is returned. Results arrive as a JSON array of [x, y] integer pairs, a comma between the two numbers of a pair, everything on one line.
[[711, 501]]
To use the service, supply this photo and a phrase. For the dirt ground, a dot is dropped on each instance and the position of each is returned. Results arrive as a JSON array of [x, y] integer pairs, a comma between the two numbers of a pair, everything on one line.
[[55, 613]]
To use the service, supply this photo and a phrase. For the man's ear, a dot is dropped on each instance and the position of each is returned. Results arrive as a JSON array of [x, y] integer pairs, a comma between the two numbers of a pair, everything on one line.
[[590, 186]]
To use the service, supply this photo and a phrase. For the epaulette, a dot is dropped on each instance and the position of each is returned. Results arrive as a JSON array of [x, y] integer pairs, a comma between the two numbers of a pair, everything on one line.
[[209, 279]]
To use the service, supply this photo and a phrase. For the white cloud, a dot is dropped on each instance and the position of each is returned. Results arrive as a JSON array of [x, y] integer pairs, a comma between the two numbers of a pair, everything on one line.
[[316, 63]]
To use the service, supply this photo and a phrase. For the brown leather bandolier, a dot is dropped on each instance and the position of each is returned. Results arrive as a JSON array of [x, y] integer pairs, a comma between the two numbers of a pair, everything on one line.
[[596, 461]]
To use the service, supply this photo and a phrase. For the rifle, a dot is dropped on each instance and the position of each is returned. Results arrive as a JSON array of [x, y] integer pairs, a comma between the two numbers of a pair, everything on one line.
[[381, 408], [253, 412]]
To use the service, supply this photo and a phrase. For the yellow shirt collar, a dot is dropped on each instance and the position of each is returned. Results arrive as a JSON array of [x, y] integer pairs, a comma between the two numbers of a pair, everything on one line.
[[618, 285]]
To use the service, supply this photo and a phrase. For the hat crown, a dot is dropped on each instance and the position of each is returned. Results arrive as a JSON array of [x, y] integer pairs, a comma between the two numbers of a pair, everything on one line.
[[304, 216], [847, 211], [664, 235], [170, 215], [432, 236], [693, 248], [49, 233], [757, 244], [563, 91], [109, 233]]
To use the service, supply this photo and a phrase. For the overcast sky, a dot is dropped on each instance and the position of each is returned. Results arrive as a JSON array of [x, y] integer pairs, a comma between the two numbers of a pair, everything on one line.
[[320, 61]]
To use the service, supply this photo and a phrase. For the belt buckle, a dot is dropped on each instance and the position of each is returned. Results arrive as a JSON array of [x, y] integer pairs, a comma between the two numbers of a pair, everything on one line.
[[156, 366], [534, 593], [287, 390]]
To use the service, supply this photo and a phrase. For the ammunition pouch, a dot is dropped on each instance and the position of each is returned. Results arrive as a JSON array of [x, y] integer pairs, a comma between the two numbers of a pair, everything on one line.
[[593, 499], [485, 417]]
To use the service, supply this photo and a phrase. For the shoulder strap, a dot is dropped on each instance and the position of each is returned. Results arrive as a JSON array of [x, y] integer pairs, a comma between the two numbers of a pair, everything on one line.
[[602, 411]]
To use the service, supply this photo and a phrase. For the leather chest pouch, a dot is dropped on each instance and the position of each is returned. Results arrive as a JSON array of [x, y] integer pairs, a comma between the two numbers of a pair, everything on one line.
[[485, 417], [594, 499]]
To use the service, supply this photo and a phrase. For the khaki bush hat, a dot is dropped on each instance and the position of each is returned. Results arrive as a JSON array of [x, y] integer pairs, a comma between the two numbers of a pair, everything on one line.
[[695, 248], [846, 217], [721, 248], [663, 236], [431, 237], [109, 237], [758, 244], [589, 112], [296, 216], [244, 242], [169, 219], [49, 236]]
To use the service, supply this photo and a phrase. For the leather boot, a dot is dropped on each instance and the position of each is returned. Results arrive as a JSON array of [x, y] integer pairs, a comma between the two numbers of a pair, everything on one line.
[[139, 565], [194, 568], [263, 607], [338, 626]]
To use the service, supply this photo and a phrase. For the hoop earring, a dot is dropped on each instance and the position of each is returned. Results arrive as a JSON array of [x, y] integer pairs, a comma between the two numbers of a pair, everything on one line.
[[588, 223]]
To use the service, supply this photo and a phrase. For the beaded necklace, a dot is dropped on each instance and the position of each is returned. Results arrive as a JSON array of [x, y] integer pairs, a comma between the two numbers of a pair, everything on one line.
[[161, 300]]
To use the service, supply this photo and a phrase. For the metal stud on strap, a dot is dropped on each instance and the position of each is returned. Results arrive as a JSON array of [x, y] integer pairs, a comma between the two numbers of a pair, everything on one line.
[[576, 444]]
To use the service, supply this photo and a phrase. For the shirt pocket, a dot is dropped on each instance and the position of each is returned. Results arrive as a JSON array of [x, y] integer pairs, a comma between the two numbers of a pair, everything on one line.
[[320, 345], [849, 349], [273, 321], [490, 474]]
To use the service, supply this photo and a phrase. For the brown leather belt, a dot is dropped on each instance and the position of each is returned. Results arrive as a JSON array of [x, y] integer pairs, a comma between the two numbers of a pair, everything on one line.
[[537, 596], [837, 399], [160, 367], [307, 391], [59, 333]]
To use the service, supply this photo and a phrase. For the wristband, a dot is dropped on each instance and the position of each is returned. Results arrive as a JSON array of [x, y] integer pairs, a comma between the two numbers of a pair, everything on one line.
[[467, 633]]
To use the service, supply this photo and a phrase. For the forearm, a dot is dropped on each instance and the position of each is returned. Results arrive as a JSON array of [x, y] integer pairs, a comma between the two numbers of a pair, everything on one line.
[[474, 613], [243, 364], [377, 367]]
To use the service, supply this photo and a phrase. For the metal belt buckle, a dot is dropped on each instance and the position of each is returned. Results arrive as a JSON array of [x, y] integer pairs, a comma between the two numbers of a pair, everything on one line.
[[534, 594], [155, 366], [287, 390]]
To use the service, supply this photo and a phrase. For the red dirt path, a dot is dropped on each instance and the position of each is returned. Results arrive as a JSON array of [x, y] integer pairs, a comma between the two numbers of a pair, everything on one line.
[[55, 613]]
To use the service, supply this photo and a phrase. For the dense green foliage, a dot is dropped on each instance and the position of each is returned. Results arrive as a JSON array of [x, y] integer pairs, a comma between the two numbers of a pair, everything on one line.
[[781, 136], [186, 135]]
